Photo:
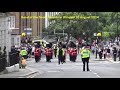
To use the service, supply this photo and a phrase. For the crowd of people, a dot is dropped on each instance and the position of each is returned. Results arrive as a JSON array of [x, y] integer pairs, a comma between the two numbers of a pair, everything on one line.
[[106, 51]]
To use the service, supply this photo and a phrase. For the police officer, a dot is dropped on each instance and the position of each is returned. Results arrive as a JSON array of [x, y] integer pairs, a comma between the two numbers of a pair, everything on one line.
[[55, 50], [24, 53], [85, 55], [60, 54], [64, 57]]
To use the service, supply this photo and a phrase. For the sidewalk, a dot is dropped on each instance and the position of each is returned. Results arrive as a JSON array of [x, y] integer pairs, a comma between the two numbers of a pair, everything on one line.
[[109, 60], [23, 73]]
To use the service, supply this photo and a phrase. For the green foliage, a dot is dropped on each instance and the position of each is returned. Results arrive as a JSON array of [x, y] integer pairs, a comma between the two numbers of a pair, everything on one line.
[[107, 23]]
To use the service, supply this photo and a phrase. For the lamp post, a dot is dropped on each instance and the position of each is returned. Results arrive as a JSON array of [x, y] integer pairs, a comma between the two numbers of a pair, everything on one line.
[[117, 26], [62, 25]]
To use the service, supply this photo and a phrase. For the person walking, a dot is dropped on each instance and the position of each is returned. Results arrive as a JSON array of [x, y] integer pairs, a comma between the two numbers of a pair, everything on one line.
[[37, 54], [104, 53], [60, 54], [74, 54], [119, 54], [48, 53], [85, 55], [115, 53]]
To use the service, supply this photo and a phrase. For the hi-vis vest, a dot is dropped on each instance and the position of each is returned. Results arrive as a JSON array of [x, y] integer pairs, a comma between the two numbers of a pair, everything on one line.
[[44, 45], [23, 52], [85, 53], [62, 52]]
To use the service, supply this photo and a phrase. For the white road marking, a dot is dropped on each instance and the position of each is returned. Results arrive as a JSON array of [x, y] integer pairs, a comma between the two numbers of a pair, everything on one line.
[[95, 73], [53, 71], [32, 76]]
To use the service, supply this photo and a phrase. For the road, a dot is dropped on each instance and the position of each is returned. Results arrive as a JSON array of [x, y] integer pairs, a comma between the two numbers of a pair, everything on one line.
[[98, 69]]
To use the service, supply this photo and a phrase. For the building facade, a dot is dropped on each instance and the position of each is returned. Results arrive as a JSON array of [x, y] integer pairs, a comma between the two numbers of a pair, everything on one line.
[[30, 26], [47, 14]]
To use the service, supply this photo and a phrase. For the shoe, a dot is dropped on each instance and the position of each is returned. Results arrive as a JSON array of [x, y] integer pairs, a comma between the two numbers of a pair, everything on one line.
[[88, 70]]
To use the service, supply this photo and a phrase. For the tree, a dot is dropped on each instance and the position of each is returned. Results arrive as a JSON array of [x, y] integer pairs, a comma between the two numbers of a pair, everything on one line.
[[107, 22]]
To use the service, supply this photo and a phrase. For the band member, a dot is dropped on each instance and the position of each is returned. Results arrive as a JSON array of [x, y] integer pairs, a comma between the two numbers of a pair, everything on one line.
[[74, 54], [48, 53]]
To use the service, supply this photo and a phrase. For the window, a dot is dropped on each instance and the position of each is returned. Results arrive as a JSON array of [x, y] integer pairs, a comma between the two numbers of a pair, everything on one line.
[[12, 41], [12, 22]]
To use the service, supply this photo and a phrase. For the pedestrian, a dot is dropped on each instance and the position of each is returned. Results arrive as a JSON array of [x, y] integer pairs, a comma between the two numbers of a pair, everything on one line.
[[85, 55], [96, 51], [114, 53], [100, 53], [108, 53], [104, 53], [119, 54], [60, 54]]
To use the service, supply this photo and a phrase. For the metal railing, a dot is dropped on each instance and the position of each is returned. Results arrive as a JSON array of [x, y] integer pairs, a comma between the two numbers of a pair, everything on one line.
[[3, 63], [13, 58]]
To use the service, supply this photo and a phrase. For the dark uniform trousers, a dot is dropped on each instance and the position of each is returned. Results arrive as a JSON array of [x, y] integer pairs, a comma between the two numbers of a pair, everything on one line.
[[114, 55], [85, 60], [60, 59], [55, 52], [37, 58], [48, 58]]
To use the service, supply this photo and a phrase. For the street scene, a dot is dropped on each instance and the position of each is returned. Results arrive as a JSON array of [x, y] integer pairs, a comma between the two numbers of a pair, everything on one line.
[[59, 45]]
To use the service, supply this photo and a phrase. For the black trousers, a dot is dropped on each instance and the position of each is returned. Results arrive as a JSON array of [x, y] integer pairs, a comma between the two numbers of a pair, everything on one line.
[[48, 58], [55, 52], [73, 58], [64, 58], [85, 60], [60, 59], [37, 58], [70, 57], [104, 56], [115, 56], [119, 57], [100, 55]]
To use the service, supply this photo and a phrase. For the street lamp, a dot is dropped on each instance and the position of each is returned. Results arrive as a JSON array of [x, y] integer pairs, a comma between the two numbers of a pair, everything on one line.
[[117, 26], [62, 25]]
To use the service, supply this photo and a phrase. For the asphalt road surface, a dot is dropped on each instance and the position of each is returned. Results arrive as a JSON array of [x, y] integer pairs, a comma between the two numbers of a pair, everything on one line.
[[98, 68]]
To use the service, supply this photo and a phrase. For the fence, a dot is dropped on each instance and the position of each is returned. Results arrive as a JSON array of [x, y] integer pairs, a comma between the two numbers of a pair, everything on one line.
[[13, 58], [3, 63]]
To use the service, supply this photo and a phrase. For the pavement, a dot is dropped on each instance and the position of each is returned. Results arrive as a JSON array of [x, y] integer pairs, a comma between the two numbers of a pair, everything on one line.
[[22, 73]]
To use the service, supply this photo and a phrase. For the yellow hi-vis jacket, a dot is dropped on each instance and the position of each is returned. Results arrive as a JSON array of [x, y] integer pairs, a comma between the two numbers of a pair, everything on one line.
[[44, 45], [85, 53], [62, 52], [23, 52]]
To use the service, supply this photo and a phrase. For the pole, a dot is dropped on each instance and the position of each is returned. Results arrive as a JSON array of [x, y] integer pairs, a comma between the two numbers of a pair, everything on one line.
[[62, 26], [117, 26], [54, 31], [20, 23]]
